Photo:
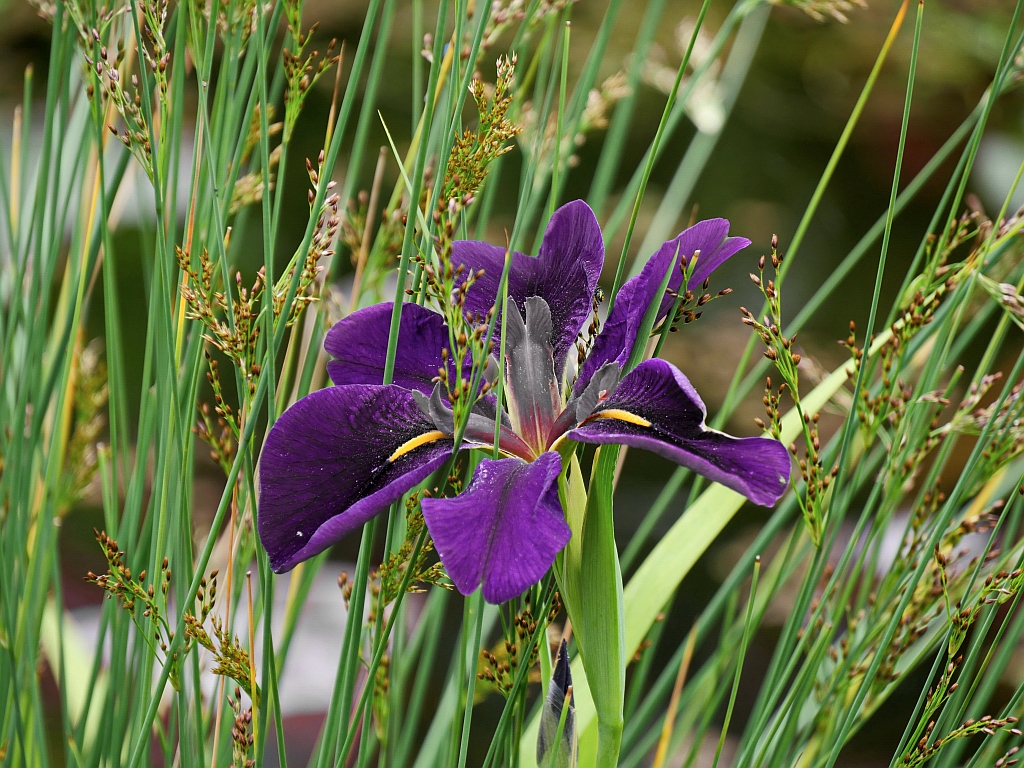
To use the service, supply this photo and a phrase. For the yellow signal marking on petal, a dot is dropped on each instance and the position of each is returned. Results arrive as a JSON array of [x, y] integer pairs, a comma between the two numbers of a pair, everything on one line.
[[621, 415], [416, 442], [558, 441]]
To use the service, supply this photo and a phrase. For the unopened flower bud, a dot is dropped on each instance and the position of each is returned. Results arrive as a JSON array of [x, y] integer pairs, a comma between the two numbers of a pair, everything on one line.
[[556, 749]]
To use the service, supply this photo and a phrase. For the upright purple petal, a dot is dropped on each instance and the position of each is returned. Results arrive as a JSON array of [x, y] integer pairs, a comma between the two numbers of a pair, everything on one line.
[[504, 530], [359, 344], [655, 407], [574, 236], [564, 273], [618, 336], [712, 254], [337, 458]]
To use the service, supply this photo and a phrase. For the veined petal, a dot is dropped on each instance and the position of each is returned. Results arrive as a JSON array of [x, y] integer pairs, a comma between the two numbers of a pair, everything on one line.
[[359, 343], [479, 428], [655, 407], [710, 237], [533, 388], [564, 273], [504, 529], [618, 336], [574, 236], [337, 458]]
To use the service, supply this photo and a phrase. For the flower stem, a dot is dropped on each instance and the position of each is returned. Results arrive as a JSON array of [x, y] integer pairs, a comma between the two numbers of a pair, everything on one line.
[[609, 739]]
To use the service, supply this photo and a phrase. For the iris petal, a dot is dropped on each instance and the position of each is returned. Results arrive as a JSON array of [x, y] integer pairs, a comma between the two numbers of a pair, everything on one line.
[[359, 343], [574, 236], [479, 428], [618, 336], [658, 394], [504, 529], [337, 458], [533, 391], [564, 273]]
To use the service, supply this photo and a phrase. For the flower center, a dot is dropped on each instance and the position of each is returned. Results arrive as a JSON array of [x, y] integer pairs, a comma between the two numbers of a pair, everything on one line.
[[581, 407], [537, 418], [479, 427]]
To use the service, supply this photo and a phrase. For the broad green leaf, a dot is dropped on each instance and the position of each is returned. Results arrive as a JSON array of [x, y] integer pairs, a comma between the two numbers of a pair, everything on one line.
[[603, 646], [573, 494]]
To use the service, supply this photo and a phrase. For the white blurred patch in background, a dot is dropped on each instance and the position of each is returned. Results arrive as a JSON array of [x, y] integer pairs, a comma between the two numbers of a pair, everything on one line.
[[999, 158]]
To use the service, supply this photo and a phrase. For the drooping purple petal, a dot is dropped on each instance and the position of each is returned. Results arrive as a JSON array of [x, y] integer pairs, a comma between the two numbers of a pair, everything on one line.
[[337, 458], [655, 407], [359, 344], [504, 529], [564, 273], [618, 336]]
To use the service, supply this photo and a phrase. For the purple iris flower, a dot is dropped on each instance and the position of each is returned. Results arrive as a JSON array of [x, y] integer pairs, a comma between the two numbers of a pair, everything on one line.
[[344, 454]]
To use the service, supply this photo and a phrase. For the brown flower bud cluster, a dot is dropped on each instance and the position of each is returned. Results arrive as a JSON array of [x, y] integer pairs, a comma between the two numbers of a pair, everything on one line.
[[242, 737], [929, 745], [772, 402], [222, 435], [885, 402], [106, 70], [498, 666], [413, 558], [237, 336], [135, 595], [1006, 437], [781, 350], [778, 348], [301, 69], [321, 247], [230, 659], [217, 433], [146, 602], [688, 305]]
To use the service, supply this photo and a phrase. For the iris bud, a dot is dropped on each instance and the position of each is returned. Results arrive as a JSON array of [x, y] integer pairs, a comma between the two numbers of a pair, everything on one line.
[[558, 750]]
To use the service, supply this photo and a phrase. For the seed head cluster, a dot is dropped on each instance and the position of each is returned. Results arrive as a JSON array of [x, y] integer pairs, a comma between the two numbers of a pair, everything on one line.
[[301, 69], [498, 666]]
